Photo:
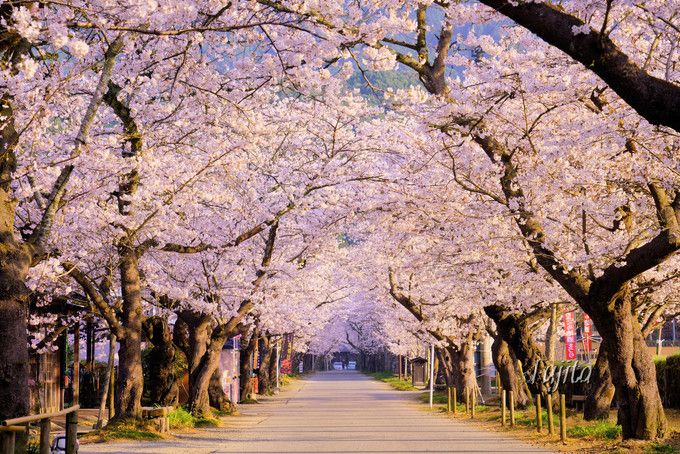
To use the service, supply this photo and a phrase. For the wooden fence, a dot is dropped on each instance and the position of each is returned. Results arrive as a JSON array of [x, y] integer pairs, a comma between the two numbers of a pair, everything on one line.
[[10, 427]]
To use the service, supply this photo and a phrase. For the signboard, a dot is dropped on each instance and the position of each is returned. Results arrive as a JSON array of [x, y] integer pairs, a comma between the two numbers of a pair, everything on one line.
[[587, 332], [569, 335]]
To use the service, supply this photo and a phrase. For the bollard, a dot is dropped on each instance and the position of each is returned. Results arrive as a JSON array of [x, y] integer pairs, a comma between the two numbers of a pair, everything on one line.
[[448, 399], [45, 426], [503, 408], [455, 403], [467, 400], [539, 414], [472, 403], [563, 419], [7, 442], [548, 403], [72, 432], [512, 409]]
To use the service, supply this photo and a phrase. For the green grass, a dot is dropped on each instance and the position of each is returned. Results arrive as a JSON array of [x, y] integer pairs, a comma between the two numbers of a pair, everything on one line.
[[660, 448], [124, 430], [206, 422], [286, 379], [438, 397], [601, 429], [393, 381], [179, 418]]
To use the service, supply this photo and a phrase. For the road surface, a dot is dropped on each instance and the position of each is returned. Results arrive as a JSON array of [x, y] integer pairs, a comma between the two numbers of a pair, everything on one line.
[[332, 412]]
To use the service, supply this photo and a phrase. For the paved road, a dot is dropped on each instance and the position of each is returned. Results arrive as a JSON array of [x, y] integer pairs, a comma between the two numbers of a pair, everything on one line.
[[333, 412]]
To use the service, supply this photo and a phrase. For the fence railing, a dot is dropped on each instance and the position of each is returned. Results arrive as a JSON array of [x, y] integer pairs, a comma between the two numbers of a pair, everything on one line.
[[10, 427]]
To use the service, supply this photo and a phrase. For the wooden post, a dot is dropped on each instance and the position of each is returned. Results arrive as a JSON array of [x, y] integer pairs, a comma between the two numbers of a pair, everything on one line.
[[563, 419], [45, 426], [503, 410], [473, 399], [71, 432], [548, 403], [539, 414], [112, 379], [467, 400], [63, 347], [455, 399], [75, 385], [7, 439], [448, 399], [512, 409]]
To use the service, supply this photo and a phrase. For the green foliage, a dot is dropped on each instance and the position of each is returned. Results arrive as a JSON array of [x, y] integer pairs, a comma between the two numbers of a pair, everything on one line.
[[601, 429], [393, 381], [33, 448]]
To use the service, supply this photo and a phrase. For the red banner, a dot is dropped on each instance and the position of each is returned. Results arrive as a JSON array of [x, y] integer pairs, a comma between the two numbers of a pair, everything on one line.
[[587, 332], [569, 336]]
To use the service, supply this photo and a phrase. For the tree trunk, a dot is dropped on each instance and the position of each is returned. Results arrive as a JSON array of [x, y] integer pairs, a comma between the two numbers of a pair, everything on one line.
[[14, 264], [273, 363], [192, 335], [15, 260], [160, 362], [130, 383], [520, 341], [463, 366], [641, 413], [446, 362], [246, 372], [551, 335], [218, 399], [199, 395], [263, 376], [600, 390], [506, 367], [107, 381]]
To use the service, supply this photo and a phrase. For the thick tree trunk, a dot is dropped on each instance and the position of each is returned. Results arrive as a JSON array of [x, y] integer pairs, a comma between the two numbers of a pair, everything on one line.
[[600, 390], [446, 363], [506, 367], [14, 264], [520, 340], [192, 335], [218, 399], [160, 362], [246, 372], [263, 376], [199, 396], [130, 382], [273, 362], [463, 366], [641, 413]]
